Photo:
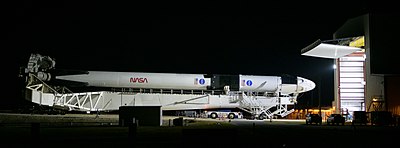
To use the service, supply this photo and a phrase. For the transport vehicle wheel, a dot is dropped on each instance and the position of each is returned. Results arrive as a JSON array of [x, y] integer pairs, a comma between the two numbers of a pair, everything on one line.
[[262, 116], [213, 115], [231, 116]]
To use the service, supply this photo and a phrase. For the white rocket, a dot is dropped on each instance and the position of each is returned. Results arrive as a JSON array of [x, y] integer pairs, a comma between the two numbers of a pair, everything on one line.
[[190, 81], [43, 66], [252, 93]]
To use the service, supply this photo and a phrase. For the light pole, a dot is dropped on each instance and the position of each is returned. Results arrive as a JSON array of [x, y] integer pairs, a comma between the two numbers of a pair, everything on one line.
[[319, 95], [319, 88]]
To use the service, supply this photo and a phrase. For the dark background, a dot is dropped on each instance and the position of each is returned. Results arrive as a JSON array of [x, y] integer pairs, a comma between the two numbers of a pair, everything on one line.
[[384, 36], [229, 37]]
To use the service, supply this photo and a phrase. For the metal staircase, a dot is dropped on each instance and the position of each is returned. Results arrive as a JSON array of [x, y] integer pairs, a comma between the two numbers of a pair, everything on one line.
[[253, 105]]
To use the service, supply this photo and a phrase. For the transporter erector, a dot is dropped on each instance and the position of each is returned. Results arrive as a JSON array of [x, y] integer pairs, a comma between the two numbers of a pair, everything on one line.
[[262, 96]]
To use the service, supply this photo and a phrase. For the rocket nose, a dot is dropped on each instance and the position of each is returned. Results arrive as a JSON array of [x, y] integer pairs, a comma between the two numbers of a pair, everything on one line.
[[306, 84], [311, 84]]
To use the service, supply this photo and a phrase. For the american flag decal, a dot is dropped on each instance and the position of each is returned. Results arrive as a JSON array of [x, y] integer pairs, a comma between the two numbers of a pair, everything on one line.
[[243, 83], [195, 81]]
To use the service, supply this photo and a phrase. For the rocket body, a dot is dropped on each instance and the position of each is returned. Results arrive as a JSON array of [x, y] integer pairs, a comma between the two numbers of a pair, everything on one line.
[[189, 81], [141, 80]]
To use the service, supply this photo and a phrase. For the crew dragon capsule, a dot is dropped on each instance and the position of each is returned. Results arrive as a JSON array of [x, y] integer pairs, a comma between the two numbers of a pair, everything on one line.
[[252, 83]]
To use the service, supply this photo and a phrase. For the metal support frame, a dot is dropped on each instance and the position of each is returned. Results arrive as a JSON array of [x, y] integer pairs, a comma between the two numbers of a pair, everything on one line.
[[81, 101], [252, 105], [95, 101]]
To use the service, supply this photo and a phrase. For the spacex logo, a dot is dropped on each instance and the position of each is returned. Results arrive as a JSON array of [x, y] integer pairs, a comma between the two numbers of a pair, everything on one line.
[[138, 80]]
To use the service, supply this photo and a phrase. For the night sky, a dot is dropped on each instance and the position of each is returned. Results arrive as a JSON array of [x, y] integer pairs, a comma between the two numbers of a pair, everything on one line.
[[202, 38]]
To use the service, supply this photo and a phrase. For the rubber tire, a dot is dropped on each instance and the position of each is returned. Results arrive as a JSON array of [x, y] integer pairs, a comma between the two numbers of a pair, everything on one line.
[[231, 116], [213, 116]]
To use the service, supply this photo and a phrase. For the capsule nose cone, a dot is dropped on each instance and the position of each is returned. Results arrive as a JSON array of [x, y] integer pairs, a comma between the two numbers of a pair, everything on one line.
[[306, 84], [311, 84]]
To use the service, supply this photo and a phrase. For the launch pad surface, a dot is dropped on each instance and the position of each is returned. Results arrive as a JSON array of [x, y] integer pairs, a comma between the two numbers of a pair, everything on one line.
[[11, 119], [197, 132]]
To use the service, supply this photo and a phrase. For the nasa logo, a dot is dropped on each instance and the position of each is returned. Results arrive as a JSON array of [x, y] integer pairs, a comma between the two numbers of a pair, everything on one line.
[[138, 80], [249, 83], [202, 81]]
